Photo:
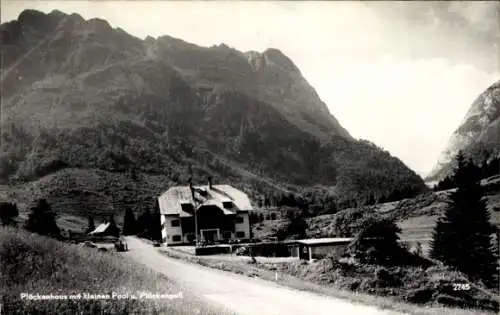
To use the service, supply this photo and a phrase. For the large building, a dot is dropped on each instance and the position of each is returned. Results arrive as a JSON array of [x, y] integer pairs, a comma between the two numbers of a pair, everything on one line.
[[222, 213]]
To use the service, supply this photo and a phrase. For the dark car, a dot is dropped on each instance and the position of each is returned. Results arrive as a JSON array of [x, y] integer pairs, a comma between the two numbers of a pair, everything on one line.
[[121, 246]]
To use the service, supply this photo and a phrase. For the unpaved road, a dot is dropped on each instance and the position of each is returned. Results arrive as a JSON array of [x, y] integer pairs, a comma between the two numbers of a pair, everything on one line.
[[241, 294]]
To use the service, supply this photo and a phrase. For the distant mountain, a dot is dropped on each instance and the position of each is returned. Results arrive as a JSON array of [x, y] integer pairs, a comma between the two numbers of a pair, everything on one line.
[[79, 94], [478, 135]]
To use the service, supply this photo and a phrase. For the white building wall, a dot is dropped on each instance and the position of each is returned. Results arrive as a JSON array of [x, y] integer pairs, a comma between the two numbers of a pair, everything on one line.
[[169, 231], [163, 229], [243, 227]]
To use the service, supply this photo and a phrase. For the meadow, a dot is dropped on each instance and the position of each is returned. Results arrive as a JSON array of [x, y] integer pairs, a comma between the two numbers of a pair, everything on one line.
[[37, 265]]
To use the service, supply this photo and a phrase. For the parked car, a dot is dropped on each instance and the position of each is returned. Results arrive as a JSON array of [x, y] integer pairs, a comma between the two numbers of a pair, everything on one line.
[[242, 251], [121, 246]]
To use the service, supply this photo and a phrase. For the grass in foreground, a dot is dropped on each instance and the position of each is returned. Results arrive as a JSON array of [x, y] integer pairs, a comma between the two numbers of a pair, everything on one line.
[[298, 279], [35, 264]]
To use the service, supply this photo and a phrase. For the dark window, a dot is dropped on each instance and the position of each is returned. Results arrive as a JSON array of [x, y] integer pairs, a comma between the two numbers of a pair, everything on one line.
[[176, 238], [239, 219], [240, 234], [226, 235], [176, 222], [203, 192], [227, 204], [187, 207]]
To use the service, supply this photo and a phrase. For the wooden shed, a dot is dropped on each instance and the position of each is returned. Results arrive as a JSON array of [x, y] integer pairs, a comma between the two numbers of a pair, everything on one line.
[[319, 248]]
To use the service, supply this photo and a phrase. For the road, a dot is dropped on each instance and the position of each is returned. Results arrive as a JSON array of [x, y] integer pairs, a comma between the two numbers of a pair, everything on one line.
[[241, 294]]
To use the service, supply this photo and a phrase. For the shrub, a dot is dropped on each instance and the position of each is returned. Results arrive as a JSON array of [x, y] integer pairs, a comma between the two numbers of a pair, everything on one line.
[[8, 213], [386, 278], [42, 220], [378, 243], [419, 296], [449, 300]]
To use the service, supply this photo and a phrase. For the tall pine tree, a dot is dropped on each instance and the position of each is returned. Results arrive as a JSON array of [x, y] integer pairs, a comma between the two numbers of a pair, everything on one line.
[[90, 225], [129, 223], [155, 224], [144, 224], [462, 238], [42, 220], [112, 229]]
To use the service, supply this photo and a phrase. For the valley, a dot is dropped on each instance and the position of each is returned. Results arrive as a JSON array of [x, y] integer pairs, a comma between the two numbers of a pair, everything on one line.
[[116, 121]]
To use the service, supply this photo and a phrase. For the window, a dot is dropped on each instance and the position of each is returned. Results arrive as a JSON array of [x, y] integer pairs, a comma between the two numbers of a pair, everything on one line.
[[176, 223], [240, 234], [239, 219], [176, 238], [187, 207], [226, 235], [227, 204]]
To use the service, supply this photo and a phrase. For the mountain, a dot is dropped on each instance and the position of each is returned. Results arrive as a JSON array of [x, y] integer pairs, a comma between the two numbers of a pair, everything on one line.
[[478, 135], [86, 103]]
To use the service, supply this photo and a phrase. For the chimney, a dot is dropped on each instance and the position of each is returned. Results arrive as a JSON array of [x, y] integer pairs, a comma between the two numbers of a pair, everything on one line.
[[191, 187], [210, 182]]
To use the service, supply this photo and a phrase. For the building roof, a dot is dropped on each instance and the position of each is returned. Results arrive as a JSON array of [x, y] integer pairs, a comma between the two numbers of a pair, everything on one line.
[[171, 200], [325, 241], [100, 228]]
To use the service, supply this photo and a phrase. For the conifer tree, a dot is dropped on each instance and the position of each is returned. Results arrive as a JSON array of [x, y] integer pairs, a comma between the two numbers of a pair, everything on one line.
[[155, 224], [42, 220], [90, 225], [144, 224], [129, 223], [113, 228], [462, 238]]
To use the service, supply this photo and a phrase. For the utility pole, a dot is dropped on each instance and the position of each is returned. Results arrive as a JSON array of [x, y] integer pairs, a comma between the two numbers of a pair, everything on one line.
[[195, 222], [195, 205], [1, 100]]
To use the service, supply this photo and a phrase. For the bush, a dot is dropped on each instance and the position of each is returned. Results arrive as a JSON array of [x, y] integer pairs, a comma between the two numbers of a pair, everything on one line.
[[42, 220], [452, 301], [8, 213], [378, 243], [419, 296], [386, 278]]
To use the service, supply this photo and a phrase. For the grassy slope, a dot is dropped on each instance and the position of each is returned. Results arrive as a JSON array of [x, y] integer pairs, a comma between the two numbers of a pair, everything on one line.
[[416, 217], [35, 264]]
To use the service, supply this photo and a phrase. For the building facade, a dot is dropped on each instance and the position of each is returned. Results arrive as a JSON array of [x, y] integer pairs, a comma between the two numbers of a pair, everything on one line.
[[221, 214]]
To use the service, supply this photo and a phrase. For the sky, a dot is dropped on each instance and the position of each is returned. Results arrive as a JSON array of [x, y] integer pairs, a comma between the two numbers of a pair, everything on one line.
[[400, 74]]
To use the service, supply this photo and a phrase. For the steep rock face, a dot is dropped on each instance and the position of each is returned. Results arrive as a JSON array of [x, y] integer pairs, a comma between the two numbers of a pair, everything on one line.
[[269, 77], [98, 98], [478, 135]]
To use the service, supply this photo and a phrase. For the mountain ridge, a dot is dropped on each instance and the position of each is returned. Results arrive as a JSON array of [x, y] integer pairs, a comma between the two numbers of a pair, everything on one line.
[[99, 98]]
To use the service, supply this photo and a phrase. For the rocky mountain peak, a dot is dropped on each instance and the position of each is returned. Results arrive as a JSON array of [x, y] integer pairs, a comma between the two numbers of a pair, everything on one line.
[[478, 133], [280, 59]]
